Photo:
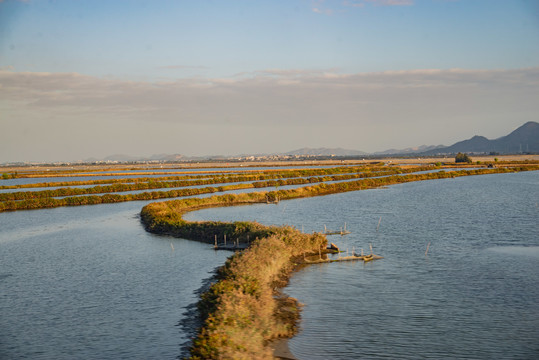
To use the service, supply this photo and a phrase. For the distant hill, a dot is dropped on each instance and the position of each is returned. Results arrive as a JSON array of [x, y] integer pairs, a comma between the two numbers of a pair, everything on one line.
[[325, 152], [525, 139], [412, 150], [131, 158]]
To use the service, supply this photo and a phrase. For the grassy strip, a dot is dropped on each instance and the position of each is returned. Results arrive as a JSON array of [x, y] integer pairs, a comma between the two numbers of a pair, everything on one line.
[[243, 311], [157, 184], [248, 173], [40, 203], [139, 185], [44, 199], [166, 217]]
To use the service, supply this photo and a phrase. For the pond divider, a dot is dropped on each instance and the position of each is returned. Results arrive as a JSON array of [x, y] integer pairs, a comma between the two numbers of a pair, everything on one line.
[[244, 310]]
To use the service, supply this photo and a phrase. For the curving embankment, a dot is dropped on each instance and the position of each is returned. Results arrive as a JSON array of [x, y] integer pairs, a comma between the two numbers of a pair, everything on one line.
[[243, 311]]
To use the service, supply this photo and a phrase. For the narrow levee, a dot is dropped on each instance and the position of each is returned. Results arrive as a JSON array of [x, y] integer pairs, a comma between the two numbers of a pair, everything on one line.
[[244, 309]]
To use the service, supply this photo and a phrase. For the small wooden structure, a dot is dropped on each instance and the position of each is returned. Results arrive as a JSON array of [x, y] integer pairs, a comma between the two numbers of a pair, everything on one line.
[[234, 246], [342, 232], [231, 247], [365, 258]]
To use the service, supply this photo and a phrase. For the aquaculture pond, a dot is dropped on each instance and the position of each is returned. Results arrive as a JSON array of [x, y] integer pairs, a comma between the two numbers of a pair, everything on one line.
[[472, 295], [90, 282]]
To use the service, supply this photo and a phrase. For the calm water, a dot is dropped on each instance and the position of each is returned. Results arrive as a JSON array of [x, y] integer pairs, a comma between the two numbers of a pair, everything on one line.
[[89, 282], [474, 295]]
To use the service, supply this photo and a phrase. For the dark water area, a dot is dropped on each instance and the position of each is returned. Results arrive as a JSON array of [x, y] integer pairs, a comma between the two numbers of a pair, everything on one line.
[[473, 296], [89, 282]]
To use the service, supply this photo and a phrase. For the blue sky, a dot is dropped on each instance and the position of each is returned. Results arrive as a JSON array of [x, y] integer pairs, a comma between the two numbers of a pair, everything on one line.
[[142, 77]]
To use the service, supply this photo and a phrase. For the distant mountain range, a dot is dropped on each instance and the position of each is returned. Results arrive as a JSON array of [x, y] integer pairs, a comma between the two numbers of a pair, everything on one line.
[[412, 150], [525, 139]]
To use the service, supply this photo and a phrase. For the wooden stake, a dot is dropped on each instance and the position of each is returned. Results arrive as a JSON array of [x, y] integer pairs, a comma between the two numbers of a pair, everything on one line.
[[428, 245], [379, 221]]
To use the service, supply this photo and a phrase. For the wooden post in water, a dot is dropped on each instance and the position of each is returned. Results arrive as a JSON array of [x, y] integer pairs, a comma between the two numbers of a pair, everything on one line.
[[225, 239], [215, 245], [371, 248], [428, 245], [379, 221]]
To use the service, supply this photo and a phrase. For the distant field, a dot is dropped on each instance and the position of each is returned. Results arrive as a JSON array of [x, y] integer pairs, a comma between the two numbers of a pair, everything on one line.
[[201, 165]]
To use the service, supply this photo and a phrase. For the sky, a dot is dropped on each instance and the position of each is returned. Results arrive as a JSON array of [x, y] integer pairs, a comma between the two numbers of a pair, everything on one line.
[[86, 79]]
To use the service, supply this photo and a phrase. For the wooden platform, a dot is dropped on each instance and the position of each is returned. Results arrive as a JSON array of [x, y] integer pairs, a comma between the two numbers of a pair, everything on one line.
[[341, 232], [365, 258], [231, 247]]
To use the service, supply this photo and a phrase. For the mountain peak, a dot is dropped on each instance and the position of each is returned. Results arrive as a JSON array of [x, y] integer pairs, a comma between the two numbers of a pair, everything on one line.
[[523, 139]]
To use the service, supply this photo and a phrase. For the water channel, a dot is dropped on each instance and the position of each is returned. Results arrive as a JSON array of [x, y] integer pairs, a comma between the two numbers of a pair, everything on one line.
[[89, 282]]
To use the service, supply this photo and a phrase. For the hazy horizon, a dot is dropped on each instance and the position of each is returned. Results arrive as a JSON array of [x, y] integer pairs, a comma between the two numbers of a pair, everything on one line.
[[89, 79]]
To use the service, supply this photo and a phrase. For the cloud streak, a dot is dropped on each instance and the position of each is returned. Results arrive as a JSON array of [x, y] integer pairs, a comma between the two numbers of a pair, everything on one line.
[[50, 90], [292, 108]]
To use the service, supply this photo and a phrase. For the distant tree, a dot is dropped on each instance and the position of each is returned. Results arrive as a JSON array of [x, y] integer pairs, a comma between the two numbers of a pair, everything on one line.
[[460, 158]]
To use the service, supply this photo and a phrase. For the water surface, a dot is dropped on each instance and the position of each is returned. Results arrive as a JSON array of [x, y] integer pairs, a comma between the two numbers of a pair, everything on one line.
[[473, 296]]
